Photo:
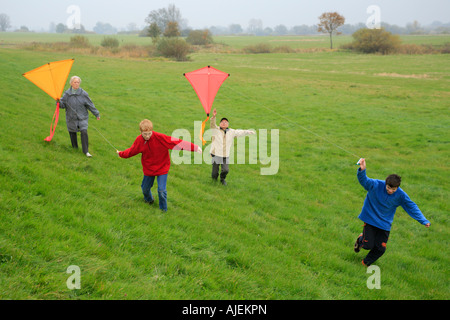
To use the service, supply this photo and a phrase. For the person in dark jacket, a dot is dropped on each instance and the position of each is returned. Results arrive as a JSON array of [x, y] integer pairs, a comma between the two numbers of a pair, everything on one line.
[[76, 101], [382, 200]]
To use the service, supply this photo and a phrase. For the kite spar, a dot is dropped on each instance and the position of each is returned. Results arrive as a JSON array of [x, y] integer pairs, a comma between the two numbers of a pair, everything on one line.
[[206, 83], [51, 78]]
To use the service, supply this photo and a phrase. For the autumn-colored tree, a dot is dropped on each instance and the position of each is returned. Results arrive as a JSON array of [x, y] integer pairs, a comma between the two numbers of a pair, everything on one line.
[[172, 29], [329, 22]]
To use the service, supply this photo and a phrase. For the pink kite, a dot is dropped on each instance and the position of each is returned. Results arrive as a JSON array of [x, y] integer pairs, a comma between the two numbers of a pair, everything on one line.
[[206, 83]]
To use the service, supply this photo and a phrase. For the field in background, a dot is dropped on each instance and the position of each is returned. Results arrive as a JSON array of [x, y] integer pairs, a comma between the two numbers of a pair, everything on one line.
[[283, 236], [321, 41]]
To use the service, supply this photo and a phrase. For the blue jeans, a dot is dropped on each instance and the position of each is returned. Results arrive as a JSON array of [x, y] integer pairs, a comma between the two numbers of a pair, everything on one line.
[[147, 184]]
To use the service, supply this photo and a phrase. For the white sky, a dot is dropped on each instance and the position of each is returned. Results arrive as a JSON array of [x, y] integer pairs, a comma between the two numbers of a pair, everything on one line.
[[38, 14]]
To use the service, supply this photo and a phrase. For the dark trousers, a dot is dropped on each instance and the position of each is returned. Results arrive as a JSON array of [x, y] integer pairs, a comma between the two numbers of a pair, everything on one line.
[[374, 239], [84, 140], [216, 163]]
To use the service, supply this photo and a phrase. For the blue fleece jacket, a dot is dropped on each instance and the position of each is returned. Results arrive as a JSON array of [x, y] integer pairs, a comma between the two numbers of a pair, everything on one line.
[[379, 206]]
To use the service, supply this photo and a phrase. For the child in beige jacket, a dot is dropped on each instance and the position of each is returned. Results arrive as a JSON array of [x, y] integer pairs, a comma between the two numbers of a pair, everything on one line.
[[222, 140]]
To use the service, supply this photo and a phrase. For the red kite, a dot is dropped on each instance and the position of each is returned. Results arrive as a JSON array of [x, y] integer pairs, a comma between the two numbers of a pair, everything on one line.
[[51, 78], [206, 82]]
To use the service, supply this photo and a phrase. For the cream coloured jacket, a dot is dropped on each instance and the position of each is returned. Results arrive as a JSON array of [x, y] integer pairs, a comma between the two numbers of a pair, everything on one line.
[[222, 140]]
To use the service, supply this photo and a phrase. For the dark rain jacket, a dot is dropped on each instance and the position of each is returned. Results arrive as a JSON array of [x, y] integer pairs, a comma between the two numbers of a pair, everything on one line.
[[77, 106]]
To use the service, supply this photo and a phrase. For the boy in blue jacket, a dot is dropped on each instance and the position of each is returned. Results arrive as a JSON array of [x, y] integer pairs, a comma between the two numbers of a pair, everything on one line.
[[382, 200]]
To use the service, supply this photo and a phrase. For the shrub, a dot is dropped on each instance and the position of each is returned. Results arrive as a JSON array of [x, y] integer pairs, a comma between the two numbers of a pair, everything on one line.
[[283, 49], [258, 48], [135, 51], [414, 49], [173, 48], [199, 37], [110, 42], [374, 41], [79, 42], [445, 48]]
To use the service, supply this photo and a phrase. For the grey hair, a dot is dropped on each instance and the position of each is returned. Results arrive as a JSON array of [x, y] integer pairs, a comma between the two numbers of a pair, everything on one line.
[[73, 78]]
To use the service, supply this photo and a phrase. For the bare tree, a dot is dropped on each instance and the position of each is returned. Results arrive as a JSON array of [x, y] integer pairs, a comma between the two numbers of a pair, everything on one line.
[[5, 22], [255, 26], [329, 22], [165, 15]]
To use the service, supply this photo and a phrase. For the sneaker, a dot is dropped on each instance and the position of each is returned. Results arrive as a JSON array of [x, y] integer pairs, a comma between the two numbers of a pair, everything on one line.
[[88, 155], [149, 202], [358, 243], [223, 182]]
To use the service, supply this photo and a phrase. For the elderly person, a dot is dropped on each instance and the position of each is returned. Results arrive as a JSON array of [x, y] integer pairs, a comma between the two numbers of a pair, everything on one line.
[[76, 101]]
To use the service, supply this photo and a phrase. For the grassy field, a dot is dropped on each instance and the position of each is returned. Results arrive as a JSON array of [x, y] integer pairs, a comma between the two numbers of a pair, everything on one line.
[[284, 236]]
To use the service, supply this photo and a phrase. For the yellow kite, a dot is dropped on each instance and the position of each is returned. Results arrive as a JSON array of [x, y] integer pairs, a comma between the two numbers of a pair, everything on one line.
[[51, 78]]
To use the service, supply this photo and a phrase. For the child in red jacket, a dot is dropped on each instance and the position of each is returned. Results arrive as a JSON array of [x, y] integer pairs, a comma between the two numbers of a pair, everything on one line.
[[155, 159]]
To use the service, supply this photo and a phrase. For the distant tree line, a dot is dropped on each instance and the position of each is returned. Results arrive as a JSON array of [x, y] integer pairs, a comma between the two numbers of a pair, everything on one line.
[[255, 27], [171, 41], [348, 29]]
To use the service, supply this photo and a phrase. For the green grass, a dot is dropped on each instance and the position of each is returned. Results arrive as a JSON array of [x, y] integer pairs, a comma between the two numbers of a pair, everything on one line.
[[283, 236]]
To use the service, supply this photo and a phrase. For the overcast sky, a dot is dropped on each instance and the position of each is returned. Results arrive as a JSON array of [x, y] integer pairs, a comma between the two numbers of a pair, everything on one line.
[[38, 14]]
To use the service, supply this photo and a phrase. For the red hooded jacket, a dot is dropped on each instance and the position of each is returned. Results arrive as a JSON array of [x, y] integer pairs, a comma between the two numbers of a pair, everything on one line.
[[155, 152]]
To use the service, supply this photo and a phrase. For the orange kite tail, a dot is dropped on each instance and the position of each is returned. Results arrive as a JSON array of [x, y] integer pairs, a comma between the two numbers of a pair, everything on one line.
[[203, 130], [54, 123]]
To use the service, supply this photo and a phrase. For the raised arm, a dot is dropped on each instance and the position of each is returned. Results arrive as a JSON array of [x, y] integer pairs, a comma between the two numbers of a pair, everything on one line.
[[362, 177], [212, 120]]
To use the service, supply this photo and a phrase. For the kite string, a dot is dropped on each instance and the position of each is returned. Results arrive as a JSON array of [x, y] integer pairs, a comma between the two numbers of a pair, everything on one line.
[[104, 138], [296, 123]]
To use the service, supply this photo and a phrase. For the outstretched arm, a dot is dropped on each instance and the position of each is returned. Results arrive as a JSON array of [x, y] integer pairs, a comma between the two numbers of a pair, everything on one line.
[[132, 151], [177, 144], [413, 210], [240, 133]]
